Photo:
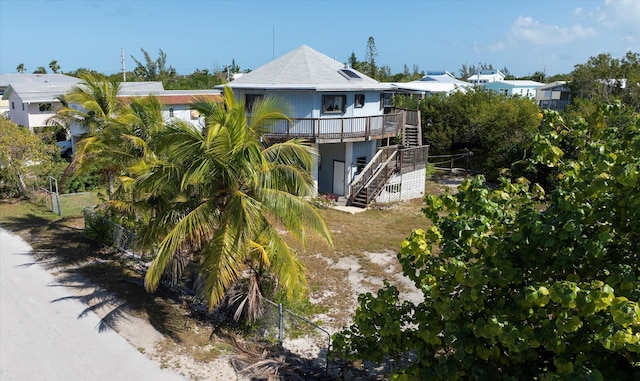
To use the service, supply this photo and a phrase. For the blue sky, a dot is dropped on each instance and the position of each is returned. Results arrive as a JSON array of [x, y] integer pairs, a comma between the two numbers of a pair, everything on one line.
[[523, 35]]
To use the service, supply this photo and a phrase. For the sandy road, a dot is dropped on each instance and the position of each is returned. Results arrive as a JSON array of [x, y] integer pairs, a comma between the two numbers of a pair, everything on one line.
[[46, 335]]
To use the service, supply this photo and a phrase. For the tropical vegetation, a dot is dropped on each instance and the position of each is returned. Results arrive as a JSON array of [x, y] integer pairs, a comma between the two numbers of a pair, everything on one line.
[[519, 283]]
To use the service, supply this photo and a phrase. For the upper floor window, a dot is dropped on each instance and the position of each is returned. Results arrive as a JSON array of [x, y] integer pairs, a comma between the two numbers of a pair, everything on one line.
[[334, 103], [359, 101], [13, 106], [251, 100], [44, 107], [171, 112]]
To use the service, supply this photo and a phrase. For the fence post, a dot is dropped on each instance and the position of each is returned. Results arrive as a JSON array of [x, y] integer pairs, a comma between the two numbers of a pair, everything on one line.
[[280, 324]]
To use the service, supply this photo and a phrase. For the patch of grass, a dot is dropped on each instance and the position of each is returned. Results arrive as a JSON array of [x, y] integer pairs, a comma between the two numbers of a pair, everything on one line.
[[72, 204], [60, 244]]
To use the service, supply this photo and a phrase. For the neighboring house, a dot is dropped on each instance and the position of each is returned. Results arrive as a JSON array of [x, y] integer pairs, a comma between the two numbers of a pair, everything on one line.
[[554, 96], [31, 99], [523, 88], [175, 104], [435, 82], [127, 89], [348, 117], [7, 79], [486, 76]]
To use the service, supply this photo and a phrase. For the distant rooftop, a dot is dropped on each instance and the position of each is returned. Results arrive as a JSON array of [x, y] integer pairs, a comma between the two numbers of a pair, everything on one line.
[[7, 79]]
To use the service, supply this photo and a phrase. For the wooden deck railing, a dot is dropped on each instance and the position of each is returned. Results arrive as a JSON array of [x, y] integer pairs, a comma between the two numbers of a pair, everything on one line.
[[369, 171], [332, 130]]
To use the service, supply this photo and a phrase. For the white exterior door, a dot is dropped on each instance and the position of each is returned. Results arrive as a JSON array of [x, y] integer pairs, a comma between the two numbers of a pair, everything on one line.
[[338, 177]]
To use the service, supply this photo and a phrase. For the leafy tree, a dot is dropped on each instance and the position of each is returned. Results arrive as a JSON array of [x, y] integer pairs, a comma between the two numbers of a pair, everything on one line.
[[369, 64], [154, 70], [53, 65], [507, 73], [40, 70], [514, 289], [20, 149], [219, 193], [79, 72], [384, 73], [559, 77], [21, 69], [494, 127], [604, 78], [538, 76], [466, 71], [354, 63]]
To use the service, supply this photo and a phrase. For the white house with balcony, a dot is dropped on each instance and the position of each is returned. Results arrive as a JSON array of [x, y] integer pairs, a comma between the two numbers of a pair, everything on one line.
[[483, 77], [348, 117]]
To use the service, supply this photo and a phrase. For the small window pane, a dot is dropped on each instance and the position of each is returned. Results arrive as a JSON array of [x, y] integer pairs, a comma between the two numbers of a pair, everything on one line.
[[250, 101], [359, 101]]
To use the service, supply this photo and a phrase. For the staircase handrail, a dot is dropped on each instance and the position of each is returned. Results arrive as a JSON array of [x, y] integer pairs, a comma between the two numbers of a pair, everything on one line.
[[371, 194], [362, 178]]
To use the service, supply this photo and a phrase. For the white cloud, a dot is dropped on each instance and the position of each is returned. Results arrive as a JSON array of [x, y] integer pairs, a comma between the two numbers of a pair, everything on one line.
[[618, 14], [526, 29]]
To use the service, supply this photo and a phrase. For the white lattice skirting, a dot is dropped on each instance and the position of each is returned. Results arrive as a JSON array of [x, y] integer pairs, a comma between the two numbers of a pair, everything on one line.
[[402, 187]]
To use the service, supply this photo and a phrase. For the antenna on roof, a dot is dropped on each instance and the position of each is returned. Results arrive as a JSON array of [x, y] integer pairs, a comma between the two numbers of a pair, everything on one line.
[[124, 72]]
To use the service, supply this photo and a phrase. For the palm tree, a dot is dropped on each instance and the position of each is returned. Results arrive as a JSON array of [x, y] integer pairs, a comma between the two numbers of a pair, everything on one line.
[[221, 193], [53, 65], [21, 69], [40, 70], [99, 114]]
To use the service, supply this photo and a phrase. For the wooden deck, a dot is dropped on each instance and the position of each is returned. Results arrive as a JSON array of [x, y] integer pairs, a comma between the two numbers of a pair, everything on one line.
[[336, 130]]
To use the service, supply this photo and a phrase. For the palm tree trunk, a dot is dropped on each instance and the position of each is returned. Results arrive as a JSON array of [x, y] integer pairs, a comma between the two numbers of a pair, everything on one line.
[[110, 181]]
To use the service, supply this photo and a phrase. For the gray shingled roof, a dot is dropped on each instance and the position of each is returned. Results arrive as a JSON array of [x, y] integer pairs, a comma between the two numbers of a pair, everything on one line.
[[305, 69]]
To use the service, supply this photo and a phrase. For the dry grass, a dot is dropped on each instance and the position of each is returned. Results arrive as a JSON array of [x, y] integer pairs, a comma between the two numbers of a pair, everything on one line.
[[60, 245]]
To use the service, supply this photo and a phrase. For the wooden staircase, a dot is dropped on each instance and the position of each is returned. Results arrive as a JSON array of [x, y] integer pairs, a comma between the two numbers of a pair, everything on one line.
[[388, 161]]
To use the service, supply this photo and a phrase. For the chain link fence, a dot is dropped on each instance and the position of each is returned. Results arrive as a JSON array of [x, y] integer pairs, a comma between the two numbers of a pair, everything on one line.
[[102, 230], [295, 333]]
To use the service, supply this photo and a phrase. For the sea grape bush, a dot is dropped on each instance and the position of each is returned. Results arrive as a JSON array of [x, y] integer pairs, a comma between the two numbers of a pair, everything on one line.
[[519, 284]]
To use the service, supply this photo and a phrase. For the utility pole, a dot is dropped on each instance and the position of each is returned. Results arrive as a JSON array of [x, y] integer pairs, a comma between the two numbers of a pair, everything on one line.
[[124, 71]]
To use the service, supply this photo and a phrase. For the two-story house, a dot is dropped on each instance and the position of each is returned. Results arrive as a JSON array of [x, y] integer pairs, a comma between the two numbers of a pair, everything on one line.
[[348, 117], [486, 76], [30, 99]]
